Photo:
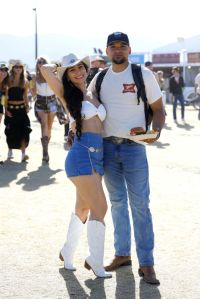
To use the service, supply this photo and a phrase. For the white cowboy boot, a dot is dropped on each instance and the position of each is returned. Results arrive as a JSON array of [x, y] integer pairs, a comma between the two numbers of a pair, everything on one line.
[[96, 237], [74, 232]]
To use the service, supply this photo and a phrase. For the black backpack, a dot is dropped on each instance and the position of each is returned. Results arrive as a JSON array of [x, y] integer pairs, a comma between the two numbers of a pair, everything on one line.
[[92, 73], [139, 82]]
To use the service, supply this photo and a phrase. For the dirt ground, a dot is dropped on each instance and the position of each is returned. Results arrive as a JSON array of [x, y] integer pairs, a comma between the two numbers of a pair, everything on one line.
[[36, 202]]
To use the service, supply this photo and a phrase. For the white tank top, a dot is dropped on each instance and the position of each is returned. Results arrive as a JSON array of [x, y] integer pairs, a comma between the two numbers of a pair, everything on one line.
[[43, 89], [89, 110]]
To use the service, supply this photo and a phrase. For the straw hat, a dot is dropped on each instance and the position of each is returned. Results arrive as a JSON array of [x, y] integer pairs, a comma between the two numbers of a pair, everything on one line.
[[71, 60], [96, 58], [14, 62]]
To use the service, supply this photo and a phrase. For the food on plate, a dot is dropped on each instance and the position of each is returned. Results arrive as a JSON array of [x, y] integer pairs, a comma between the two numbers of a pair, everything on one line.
[[137, 131]]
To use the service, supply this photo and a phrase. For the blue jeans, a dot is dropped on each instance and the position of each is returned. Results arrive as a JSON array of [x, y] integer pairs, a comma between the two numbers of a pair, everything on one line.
[[180, 98], [127, 180]]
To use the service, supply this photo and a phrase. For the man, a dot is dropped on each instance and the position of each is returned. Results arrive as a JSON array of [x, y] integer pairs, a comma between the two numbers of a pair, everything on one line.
[[97, 64], [176, 84], [149, 65], [125, 162], [197, 84], [197, 91]]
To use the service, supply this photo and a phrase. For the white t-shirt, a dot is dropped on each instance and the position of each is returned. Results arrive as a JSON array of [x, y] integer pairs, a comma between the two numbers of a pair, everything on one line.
[[197, 81], [119, 96]]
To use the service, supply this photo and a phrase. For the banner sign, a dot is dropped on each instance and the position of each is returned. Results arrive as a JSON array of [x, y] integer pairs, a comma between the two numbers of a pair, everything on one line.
[[136, 58], [193, 57], [166, 58]]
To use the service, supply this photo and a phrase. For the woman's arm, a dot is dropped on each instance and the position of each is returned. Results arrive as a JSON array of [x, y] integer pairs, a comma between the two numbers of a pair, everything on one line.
[[26, 88], [48, 72], [8, 113], [32, 86]]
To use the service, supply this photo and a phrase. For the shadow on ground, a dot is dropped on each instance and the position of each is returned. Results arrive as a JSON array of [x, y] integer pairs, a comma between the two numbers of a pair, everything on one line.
[[125, 286], [43, 176], [74, 289], [9, 171], [184, 126]]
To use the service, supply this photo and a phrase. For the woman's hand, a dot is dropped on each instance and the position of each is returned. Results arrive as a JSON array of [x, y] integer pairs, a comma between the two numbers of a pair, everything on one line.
[[8, 113], [27, 108]]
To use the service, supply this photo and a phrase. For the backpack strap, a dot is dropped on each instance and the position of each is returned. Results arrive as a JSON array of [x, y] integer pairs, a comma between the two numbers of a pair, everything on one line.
[[139, 82], [99, 81]]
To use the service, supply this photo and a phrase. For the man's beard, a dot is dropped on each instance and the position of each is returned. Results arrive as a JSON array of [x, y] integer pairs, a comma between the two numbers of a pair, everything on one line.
[[119, 61]]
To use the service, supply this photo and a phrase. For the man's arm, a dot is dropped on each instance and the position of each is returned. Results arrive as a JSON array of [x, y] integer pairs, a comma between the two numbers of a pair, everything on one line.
[[158, 115], [158, 119], [157, 123]]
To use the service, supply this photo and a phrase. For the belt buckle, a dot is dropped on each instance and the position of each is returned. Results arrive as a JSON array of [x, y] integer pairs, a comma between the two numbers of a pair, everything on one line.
[[117, 140], [92, 149]]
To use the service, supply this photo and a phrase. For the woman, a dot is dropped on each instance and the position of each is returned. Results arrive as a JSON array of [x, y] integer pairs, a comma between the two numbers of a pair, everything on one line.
[[161, 83], [3, 87], [84, 163], [16, 119], [4, 76], [45, 106]]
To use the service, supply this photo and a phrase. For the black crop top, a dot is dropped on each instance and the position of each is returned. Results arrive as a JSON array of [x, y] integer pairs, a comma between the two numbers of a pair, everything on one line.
[[15, 93]]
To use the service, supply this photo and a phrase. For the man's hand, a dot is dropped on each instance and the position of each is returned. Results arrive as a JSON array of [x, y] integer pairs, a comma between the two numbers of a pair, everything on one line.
[[140, 130], [8, 113], [137, 131]]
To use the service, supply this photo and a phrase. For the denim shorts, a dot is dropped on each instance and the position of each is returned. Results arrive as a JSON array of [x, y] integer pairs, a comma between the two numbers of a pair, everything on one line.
[[85, 155], [51, 106]]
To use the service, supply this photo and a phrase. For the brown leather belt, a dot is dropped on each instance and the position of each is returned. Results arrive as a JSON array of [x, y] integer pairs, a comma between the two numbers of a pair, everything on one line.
[[118, 140], [52, 97]]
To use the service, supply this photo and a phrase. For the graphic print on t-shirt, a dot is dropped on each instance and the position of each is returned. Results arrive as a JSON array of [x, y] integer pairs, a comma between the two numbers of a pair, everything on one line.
[[129, 88]]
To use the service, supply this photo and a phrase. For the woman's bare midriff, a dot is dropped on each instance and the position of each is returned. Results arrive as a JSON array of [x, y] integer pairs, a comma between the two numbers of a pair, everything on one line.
[[93, 125]]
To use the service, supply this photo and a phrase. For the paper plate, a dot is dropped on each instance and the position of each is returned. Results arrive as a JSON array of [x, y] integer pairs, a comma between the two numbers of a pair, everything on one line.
[[143, 136]]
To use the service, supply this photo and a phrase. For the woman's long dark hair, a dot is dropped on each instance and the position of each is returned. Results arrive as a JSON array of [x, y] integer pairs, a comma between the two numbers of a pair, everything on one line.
[[4, 83], [39, 77], [22, 78], [73, 97]]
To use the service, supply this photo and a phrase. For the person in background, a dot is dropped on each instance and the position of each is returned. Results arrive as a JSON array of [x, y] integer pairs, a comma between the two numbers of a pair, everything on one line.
[[125, 161], [97, 64], [176, 84], [4, 77], [16, 120], [84, 162], [45, 107], [30, 94], [197, 91], [161, 83], [149, 65], [197, 84]]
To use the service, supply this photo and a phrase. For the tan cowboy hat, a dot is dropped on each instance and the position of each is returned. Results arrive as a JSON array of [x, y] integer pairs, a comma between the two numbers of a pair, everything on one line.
[[71, 60]]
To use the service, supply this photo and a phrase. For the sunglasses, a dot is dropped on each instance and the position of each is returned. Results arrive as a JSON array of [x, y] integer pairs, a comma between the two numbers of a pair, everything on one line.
[[41, 62], [18, 66], [3, 69]]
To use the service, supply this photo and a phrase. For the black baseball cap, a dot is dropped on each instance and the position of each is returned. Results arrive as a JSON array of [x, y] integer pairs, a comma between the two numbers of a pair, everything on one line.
[[148, 63], [117, 37], [3, 66]]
